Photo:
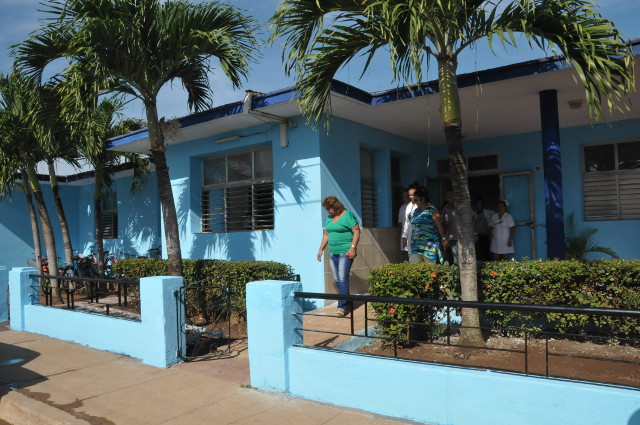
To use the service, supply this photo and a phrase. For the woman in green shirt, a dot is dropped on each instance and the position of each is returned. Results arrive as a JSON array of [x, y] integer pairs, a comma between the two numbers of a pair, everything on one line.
[[342, 234]]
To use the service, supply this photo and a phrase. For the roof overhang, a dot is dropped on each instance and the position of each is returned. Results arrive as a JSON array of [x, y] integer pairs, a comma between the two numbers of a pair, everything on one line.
[[495, 102]]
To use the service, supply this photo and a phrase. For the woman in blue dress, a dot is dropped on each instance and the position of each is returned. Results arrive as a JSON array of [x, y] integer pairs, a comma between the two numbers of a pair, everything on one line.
[[426, 232]]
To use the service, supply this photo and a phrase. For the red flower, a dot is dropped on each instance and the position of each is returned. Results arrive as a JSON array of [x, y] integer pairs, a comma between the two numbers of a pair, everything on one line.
[[434, 275], [494, 274], [392, 310], [426, 287], [138, 268]]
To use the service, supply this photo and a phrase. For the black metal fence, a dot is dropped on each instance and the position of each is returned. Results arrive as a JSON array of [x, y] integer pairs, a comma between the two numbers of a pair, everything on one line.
[[212, 317], [111, 297], [532, 342]]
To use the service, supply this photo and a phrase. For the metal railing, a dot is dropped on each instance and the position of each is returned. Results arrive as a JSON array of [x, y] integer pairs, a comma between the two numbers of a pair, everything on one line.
[[535, 335], [111, 297]]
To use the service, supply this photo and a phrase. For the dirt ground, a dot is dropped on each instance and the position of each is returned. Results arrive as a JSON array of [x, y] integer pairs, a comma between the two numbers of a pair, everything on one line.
[[609, 367]]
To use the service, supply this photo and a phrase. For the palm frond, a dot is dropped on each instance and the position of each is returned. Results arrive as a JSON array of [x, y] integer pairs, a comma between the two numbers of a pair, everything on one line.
[[601, 57]]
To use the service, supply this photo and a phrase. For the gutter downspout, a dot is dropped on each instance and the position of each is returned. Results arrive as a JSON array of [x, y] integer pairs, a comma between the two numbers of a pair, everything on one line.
[[248, 110]]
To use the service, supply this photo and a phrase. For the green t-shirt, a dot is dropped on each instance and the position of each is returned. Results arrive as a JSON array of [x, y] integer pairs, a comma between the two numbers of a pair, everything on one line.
[[340, 234]]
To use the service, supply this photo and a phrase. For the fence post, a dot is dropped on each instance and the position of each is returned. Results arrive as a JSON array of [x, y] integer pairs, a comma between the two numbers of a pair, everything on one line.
[[271, 320], [4, 294], [22, 291], [160, 319]]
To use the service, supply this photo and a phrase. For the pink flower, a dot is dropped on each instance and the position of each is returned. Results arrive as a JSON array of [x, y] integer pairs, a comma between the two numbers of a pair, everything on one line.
[[494, 274], [392, 310], [434, 275], [426, 287]]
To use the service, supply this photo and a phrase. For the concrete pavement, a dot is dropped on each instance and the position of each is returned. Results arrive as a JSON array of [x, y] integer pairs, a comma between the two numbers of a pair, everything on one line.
[[47, 381]]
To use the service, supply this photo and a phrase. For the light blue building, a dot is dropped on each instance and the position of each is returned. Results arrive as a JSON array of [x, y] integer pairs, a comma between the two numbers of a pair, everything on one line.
[[249, 177]]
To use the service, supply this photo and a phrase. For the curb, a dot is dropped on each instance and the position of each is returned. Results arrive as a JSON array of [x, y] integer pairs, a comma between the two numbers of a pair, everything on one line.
[[19, 409]]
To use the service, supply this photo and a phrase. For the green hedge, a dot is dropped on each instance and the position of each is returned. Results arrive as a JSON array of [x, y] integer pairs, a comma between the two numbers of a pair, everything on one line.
[[201, 278], [609, 283]]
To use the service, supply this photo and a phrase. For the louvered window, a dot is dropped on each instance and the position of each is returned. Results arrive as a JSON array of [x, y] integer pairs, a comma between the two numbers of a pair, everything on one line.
[[368, 196], [612, 181], [237, 192], [109, 215]]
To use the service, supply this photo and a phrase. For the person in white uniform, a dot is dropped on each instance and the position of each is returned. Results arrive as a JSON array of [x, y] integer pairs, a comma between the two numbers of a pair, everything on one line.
[[408, 213], [503, 230]]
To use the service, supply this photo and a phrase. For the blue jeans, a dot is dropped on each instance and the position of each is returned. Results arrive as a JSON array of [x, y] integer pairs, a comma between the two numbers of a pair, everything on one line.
[[341, 266]]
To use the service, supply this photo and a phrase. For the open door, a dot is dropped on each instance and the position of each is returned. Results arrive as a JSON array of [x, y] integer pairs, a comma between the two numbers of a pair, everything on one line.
[[517, 189]]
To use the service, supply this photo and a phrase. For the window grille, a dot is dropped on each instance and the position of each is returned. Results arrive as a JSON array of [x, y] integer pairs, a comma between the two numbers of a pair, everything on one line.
[[611, 181], [109, 224], [241, 196], [368, 195], [109, 215]]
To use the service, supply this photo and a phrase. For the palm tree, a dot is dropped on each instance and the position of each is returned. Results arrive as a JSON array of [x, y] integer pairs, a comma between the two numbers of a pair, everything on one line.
[[22, 138], [577, 243], [63, 147], [100, 124], [320, 36], [135, 47]]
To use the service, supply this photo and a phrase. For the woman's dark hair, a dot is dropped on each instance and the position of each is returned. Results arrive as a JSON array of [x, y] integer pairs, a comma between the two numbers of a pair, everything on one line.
[[421, 192], [333, 202]]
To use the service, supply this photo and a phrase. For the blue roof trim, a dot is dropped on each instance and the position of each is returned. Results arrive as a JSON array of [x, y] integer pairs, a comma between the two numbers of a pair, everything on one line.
[[127, 138], [280, 96], [211, 114]]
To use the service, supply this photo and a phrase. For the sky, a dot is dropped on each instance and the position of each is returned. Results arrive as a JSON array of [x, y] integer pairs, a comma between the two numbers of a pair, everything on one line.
[[19, 17]]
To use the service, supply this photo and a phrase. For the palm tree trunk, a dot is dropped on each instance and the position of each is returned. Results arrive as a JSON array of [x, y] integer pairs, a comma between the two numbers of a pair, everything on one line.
[[97, 206], [62, 218], [471, 334], [35, 230], [47, 232], [169, 215]]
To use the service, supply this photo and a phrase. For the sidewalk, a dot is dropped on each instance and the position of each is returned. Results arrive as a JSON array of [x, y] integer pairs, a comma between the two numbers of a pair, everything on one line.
[[47, 381]]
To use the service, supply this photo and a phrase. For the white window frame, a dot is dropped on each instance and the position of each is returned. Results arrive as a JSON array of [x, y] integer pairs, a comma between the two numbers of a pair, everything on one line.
[[255, 195]]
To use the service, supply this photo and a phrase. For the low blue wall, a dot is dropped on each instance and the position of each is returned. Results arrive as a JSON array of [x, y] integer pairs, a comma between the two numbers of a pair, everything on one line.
[[421, 392], [154, 339], [4, 294]]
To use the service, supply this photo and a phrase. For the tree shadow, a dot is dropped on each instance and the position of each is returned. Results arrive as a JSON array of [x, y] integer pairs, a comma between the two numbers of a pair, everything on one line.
[[12, 373]]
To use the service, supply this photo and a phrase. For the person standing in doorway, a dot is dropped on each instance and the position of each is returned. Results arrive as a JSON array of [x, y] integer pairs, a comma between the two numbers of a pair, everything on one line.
[[402, 217], [503, 230], [411, 191], [341, 234]]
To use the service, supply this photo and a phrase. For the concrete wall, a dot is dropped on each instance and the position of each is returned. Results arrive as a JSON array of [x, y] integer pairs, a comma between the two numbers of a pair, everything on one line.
[[138, 218], [154, 339], [411, 390], [297, 230], [16, 239]]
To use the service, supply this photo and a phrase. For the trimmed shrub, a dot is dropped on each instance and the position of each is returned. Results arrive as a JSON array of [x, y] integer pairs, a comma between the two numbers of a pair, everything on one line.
[[206, 281], [607, 283]]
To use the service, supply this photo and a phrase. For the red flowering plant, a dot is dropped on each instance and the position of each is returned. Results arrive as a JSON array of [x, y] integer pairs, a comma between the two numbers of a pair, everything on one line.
[[411, 281]]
